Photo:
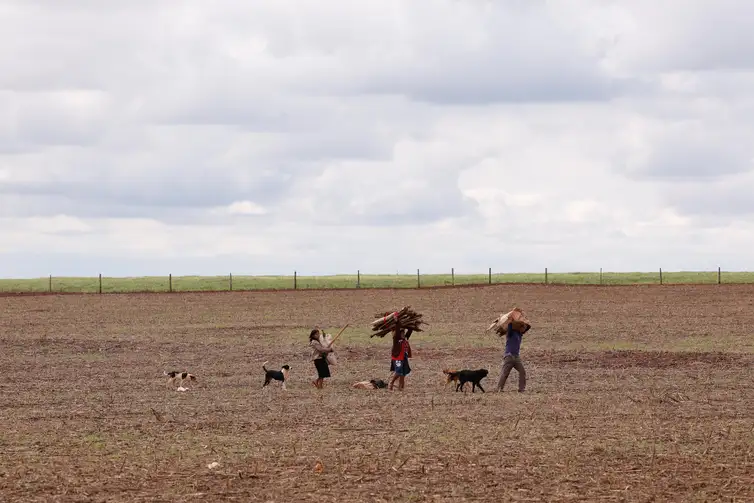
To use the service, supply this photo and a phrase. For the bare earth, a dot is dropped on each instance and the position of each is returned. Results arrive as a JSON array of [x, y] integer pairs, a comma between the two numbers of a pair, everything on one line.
[[638, 393]]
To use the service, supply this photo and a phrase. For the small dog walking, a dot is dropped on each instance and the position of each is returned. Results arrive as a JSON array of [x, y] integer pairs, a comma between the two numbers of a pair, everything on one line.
[[278, 375], [461, 377], [174, 376], [452, 376]]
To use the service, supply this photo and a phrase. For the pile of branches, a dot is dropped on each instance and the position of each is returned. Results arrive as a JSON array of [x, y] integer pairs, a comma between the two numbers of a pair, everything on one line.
[[516, 318], [388, 321]]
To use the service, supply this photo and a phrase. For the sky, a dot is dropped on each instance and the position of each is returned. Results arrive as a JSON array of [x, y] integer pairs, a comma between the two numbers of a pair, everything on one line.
[[194, 137]]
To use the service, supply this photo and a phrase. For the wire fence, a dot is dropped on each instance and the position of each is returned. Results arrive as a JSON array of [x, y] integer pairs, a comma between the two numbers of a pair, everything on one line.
[[170, 283]]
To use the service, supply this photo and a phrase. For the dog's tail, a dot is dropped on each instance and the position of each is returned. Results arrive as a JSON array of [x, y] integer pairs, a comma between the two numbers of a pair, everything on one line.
[[263, 365]]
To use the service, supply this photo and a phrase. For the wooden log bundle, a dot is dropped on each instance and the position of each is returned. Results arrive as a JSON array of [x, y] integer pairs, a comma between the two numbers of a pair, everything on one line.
[[404, 318], [516, 317]]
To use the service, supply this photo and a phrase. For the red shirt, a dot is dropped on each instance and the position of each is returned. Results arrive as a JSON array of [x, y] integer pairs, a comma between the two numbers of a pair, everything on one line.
[[401, 349]]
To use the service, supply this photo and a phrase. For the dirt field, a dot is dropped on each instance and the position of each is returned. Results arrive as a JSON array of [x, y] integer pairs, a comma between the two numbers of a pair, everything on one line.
[[635, 394]]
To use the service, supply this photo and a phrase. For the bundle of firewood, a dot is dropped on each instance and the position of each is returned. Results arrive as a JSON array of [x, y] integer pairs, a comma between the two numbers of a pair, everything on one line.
[[515, 317], [388, 321]]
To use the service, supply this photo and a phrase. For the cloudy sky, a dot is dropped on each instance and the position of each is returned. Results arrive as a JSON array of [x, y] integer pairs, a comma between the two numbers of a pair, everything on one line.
[[196, 137]]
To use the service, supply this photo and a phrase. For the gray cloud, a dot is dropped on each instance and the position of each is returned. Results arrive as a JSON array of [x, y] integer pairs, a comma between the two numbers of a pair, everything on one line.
[[688, 35], [691, 151], [721, 201]]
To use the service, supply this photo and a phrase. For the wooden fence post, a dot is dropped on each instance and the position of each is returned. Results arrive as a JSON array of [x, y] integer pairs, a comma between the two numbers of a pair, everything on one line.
[[50, 284], [170, 282], [661, 275], [358, 279], [600, 275], [453, 276], [545, 275], [295, 280], [100, 283], [230, 282], [719, 277], [418, 280], [489, 276]]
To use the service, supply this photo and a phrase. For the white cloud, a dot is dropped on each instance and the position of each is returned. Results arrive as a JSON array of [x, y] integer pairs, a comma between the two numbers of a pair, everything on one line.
[[244, 208], [381, 136]]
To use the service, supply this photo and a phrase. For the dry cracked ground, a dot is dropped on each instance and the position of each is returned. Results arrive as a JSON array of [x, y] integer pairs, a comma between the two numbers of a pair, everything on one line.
[[635, 394]]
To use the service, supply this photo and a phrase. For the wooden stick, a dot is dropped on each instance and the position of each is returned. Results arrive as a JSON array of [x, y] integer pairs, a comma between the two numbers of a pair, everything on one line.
[[336, 337]]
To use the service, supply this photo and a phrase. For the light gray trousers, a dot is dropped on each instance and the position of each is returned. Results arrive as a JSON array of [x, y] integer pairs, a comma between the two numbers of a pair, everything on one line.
[[512, 362]]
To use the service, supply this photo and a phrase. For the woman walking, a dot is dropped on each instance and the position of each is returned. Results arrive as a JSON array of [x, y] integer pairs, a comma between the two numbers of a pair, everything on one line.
[[319, 357]]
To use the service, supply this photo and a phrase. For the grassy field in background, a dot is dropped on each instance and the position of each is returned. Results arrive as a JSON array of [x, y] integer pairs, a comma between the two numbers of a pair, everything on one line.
[[223, 283]]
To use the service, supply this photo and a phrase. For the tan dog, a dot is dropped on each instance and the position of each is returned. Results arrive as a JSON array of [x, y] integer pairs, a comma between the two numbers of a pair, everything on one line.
[[371, 384], [452, 376]]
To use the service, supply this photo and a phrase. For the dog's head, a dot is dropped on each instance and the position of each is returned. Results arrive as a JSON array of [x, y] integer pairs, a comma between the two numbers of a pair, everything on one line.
[[285, 369], [483, 372], [378, 383]]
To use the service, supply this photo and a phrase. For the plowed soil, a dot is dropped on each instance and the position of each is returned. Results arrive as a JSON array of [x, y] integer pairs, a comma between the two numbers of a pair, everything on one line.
[[634, 394]]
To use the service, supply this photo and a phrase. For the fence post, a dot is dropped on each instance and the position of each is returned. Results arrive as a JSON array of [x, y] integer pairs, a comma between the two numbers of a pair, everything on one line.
[[600, 275], [418, 281], [50, 284], [453, 276], [358, 279], [545, 275], [719, 278], [295, 281], [661, 275], [230, 282], [489, 276], [170, 283], [100, 283]]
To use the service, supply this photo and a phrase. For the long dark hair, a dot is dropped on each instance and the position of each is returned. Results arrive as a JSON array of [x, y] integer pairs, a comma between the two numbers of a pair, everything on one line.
[[314, 335]]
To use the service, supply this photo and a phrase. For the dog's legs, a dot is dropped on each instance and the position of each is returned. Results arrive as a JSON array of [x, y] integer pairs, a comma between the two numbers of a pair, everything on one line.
[[473, 386], [284, 385], [480, 387]]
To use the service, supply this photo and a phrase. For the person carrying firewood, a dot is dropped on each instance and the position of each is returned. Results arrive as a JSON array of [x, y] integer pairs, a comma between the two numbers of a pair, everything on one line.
[[399, 355], [512, 358]]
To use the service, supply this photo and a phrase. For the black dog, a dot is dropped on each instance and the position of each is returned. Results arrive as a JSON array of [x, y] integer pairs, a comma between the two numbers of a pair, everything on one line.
[[279, 375], [472, 376]]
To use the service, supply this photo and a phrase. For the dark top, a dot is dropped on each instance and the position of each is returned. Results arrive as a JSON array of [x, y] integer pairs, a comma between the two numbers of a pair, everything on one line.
[[513, 341]]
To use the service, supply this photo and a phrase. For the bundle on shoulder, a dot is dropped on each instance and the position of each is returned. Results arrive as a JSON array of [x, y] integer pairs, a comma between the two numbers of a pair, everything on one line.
[[516, 317], [404, 318], [326, 340]]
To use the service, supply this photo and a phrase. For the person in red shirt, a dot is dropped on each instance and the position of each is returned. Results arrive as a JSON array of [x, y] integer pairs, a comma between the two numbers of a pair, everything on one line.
[[399, 356]]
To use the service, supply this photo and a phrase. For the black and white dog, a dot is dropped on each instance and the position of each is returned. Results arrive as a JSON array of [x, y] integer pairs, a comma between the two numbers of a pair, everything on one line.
[[178, 377], [278, 375]]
